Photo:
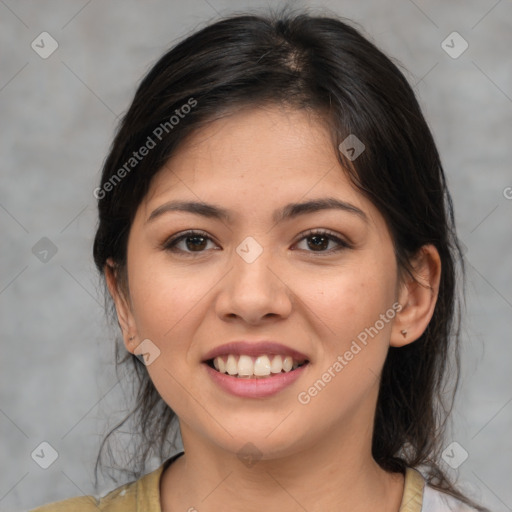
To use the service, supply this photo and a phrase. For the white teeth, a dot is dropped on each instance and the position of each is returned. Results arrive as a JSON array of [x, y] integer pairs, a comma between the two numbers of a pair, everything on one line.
[[277, 364], [287, 363], [261, 366], [231, 366], [245, 366]]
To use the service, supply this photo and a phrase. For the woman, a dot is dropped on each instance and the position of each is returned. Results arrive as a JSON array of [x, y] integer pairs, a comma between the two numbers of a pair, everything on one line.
[[278, 241]]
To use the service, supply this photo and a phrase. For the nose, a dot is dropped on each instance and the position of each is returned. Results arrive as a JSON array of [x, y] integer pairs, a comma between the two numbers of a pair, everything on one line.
[[254, 291]]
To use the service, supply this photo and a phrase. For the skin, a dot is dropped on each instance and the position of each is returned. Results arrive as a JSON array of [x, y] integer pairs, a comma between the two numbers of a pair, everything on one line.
[[315, 456]]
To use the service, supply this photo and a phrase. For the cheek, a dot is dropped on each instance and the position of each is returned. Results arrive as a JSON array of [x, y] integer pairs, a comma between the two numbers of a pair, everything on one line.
[[349, 301], [170, 304], [163, 297], [167, 309], [156, 304], [353, 318], [351, 341]]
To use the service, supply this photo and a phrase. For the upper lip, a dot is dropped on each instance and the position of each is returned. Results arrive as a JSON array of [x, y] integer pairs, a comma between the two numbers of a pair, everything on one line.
[[254, 349]]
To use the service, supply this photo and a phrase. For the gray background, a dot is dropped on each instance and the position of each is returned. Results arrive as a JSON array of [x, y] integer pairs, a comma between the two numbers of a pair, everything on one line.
[[58, 117]]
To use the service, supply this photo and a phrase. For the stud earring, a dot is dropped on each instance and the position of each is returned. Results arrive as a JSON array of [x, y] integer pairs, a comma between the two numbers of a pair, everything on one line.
[[403, 332]]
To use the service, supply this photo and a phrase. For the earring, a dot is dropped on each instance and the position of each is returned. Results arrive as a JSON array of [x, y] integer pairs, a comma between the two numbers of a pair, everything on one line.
[[403, 332]]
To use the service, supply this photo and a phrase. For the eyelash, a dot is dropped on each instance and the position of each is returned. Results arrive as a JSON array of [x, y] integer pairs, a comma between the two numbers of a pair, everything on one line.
[[170, 244]]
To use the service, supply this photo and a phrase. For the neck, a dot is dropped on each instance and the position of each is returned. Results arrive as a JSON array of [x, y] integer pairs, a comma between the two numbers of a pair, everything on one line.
[[327, 476]]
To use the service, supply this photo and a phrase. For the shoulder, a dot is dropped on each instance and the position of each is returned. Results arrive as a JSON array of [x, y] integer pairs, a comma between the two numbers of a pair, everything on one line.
[[123, 498], [139, 495], [419, 496]]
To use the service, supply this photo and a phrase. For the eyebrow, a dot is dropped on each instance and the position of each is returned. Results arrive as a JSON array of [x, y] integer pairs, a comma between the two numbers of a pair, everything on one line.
[[289, 211]]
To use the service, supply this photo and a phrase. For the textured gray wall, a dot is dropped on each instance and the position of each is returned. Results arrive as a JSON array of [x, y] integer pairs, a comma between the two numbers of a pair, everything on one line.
[[58, 116]]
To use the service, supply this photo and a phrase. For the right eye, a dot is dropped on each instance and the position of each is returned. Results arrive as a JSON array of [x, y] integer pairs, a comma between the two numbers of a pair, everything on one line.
[[194, 242]]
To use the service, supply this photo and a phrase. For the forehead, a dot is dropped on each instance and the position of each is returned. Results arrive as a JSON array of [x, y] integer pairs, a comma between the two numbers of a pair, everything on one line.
[[256, 158], [271, 135]]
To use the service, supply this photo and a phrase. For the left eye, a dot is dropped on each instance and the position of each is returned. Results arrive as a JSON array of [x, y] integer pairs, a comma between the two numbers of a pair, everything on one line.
[[197, 241], [320, 240]]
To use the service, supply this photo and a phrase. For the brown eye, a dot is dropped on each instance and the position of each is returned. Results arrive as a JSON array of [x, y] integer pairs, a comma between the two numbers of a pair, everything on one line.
[[318, 241], [197, 242], [193, 241]]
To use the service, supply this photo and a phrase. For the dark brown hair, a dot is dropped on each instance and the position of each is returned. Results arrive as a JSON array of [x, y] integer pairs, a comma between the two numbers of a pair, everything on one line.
[[323, 65]]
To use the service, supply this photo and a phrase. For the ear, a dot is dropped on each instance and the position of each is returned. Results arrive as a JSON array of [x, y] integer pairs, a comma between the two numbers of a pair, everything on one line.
[[418, 297], [123, 307]]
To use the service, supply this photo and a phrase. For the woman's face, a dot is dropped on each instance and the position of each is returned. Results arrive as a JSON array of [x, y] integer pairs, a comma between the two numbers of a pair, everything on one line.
[[257, 276]]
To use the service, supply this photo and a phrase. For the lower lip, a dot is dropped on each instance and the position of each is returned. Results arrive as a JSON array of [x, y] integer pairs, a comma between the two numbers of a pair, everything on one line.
[[255, 388]]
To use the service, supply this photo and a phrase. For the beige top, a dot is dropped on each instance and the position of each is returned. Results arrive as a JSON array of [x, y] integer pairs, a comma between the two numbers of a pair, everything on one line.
[[143, 495]]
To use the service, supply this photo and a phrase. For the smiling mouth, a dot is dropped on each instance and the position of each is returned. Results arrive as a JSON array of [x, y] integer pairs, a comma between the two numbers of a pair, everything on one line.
[[249, 367]]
